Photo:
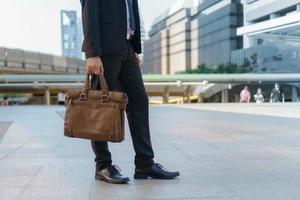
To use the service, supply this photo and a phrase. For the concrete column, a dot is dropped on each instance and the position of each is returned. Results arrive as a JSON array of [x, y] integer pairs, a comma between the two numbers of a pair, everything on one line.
[[166, 94], [47, 97], [187, 92], [237, 98], [298, 7], [249, 41], [225, 95], [200, 98], [295, 97]]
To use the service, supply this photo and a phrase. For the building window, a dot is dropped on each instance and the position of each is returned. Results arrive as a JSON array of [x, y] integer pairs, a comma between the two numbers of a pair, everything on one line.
[[66, 45], [240, 42], [260, 41], [72, 45], [66, 37]]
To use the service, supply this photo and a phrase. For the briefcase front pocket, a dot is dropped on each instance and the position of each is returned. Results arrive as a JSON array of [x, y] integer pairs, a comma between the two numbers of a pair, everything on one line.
[[94, 120]]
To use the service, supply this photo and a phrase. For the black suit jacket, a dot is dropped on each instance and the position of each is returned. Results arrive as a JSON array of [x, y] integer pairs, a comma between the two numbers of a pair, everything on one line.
[[105, 27]]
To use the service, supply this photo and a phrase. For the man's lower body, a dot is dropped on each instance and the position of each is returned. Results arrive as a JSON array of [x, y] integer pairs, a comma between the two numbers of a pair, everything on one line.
[[125, 70]]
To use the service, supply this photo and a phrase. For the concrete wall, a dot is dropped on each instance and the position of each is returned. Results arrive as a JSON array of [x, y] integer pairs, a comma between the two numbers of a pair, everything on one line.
[[153, 56], [15, 58], [214, 33], [32, 60], [19, 61], [273, 53], [47, 62], [261, 8], [72, 65], [2, 56], [180, 46], [206, 34], [168, 49], [60, 64]]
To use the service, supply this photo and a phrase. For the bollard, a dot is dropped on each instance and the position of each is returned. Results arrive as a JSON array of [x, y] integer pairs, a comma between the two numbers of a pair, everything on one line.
[[200, 98], [188, 94]]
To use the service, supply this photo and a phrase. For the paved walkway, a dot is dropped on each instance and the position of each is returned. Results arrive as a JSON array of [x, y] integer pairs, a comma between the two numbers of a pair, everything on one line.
[[223, 154]]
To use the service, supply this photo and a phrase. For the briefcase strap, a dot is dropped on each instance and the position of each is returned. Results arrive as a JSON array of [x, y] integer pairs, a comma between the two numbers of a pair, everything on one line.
[[87, 87]]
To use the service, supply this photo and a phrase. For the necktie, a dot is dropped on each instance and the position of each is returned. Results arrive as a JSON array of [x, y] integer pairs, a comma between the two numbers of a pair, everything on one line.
[[131, 14]]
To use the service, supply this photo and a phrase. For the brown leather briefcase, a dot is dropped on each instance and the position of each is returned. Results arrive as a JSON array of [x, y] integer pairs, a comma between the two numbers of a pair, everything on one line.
[[95, 114]]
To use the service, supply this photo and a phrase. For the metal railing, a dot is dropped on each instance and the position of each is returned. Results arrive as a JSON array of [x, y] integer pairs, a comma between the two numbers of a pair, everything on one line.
[[166, 79], [185, 86]]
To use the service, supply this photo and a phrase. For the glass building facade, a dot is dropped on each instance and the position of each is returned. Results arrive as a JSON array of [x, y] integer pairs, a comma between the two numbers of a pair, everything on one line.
[[71, 34], [271, 35], [191, 33]]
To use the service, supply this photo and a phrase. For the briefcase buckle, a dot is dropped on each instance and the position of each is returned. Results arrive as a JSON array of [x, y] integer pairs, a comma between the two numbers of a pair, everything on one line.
[[83, 96], [105, 98]]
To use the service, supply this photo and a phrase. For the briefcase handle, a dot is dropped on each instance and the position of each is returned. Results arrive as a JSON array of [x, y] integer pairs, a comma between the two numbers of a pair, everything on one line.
[[103, 86]]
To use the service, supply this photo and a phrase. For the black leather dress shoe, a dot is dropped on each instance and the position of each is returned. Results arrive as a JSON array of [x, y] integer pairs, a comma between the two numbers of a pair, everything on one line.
[[111, 175], [156, 171]]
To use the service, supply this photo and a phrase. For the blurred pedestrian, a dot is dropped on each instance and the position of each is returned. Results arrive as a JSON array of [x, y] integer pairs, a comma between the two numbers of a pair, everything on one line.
[[61, 98], [245, 95], [277, 95], [5, 101], [259, 96]]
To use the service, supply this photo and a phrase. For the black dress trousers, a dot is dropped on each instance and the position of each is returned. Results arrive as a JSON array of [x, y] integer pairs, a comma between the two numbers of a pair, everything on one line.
[[126, 71]]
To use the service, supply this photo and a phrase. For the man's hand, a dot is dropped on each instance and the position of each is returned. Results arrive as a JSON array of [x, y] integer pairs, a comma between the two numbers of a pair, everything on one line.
[[138, 59], [94, 65]]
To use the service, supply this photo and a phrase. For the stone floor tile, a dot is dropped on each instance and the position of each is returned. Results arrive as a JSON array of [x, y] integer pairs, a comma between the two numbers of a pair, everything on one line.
[[267, 190], [218, 158], [9, 193]]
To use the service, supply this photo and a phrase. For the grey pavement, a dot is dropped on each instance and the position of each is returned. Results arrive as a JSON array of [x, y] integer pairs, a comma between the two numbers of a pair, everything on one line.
[[224, 152], [3, 128]]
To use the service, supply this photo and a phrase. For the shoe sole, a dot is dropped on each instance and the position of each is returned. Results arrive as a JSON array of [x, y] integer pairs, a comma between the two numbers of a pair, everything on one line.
[[101, 178], [143, 177], [140, 176]]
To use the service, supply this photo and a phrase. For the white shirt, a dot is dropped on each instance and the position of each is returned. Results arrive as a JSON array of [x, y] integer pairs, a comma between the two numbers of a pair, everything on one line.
[[129, 30]]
